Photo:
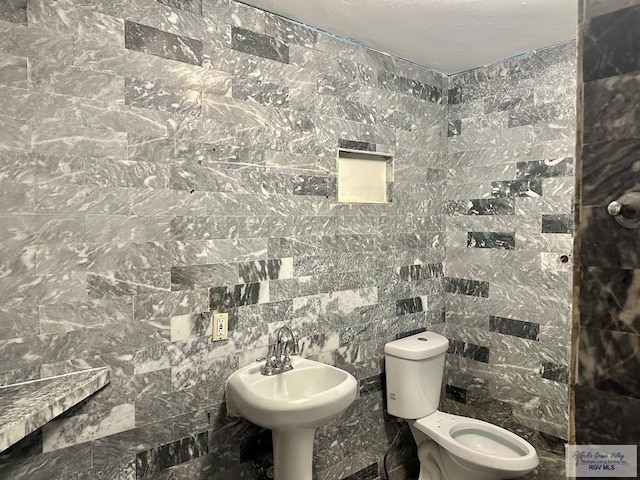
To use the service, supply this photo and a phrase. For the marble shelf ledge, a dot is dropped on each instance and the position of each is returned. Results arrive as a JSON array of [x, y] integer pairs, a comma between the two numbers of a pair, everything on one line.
[[25, 407]]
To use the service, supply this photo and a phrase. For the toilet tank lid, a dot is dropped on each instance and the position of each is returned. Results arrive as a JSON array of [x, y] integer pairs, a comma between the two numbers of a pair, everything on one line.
[[417, 347]]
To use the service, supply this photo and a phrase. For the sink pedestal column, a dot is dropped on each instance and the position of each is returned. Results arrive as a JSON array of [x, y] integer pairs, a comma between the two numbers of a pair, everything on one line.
[[293, 454]]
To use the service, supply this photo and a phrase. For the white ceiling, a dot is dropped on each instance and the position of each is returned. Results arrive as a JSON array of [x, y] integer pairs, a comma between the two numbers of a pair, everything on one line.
[[447, 35]]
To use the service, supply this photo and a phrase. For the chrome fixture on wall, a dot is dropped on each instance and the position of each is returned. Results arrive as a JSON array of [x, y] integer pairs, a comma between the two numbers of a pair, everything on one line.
[[626, 210]]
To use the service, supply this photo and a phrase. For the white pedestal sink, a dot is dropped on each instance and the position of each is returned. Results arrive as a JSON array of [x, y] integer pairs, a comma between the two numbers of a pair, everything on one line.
[[293, 405]]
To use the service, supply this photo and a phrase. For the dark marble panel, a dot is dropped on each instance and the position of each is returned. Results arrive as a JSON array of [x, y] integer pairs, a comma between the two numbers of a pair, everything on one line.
[[545, 168], [353, 145], [65, 463], [599, 248], [554, 371], [315, 185], [610, 111], [258, 443], [557, 224], [193, 6], [14, 11], [455, 95], [454, 128], [150, 94], [116, 448], [409, 333], [262, 270], [367, 473], [420, 272], [466, 287], [606, 169], [457, 394], [224, 298], [160, 458], [29, 446], [261, 92], [609, 361], [371, 384], [611, 43], [408, 305], [608, 299], [605, 417], [469, 350], [194, 276], [260, 45], [505, 241], [517, 188], [516, 328], [482, 206], [162, 44]]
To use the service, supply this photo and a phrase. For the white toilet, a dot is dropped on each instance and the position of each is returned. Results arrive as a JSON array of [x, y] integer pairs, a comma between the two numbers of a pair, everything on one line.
[[450, 447]]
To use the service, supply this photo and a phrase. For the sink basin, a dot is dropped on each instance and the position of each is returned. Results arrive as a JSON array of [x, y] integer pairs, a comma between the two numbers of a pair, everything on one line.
[[308, 396], [292, 404]]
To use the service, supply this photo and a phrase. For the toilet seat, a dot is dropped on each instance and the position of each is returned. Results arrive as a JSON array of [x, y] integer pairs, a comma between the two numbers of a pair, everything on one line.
[[480, 443]]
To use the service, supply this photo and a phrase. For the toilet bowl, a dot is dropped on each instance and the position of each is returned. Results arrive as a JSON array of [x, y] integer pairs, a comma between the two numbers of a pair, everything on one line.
[[470, 449], [450, 447]]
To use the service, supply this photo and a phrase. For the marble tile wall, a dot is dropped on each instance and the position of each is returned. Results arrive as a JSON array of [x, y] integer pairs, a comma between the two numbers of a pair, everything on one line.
[[508, 217], [607, 340], [164, 160]]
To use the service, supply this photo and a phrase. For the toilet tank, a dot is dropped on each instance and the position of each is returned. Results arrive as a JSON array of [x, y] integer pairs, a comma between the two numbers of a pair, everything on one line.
[[413, 367]]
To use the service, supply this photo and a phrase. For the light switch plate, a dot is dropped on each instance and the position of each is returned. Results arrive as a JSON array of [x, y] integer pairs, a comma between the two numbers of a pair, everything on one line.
[[220, 326]]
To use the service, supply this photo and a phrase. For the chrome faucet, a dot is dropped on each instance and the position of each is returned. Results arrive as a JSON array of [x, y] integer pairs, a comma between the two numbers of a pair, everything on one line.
[[278, 359]]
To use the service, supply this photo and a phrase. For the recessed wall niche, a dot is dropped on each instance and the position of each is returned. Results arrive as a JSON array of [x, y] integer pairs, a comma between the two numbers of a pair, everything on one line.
[[364, 177]]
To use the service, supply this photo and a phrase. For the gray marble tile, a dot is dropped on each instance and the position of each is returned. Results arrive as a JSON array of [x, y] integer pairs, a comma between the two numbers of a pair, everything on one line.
[[28, 406], [289, 31], [168, 304], [54, 139], [66, 80], [132, 282], [13, 71], [261, 92], [147, 94], [76, 21], [15, 134], [194, 77], [193, 6], [38, 43], [31, 168], [20, 229], [73, 199]]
